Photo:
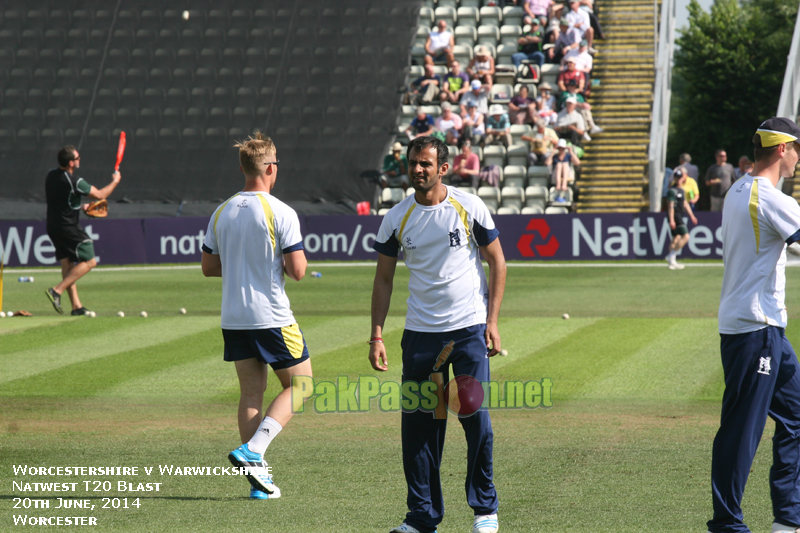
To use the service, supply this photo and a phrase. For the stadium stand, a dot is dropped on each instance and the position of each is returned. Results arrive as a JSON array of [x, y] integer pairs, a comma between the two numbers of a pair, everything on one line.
[[185, 89]]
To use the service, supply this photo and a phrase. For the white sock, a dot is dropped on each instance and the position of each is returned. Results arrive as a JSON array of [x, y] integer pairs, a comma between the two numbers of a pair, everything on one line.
[[267, 431], [671, 255]]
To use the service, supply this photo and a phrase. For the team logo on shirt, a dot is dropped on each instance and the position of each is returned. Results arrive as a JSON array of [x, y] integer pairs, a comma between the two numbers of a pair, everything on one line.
[[455, 238], [763, 365], [243, 204], [408, 245]]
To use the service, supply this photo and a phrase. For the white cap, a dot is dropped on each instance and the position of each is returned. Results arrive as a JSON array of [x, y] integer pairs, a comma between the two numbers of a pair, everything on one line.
[[476, 84], [496, 109], [562, 143]]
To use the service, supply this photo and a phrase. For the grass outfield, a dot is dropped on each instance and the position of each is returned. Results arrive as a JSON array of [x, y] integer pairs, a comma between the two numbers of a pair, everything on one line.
[[626, 446]]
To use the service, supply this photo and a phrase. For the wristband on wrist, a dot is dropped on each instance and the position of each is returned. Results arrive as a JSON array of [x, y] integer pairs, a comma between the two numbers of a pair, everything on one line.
[[373, 340]]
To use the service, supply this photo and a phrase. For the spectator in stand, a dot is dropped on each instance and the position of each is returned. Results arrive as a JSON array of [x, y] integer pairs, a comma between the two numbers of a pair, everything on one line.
[[579, 19], [395, 168], [542, 144], [455, 84], [719, 178], [588, 6], [466, 167], [426, 88], [522, 108], [546, 105], [498, 127], [686, 162], [536, 9], [439, 45], [690, 188], [477, 95], [745, 166], [421, 126], [474, 127], [450, 124], [571, 73], [583, 107], [562, 161], [583, 59], [570, 124], [481, 67], [529, 46], [568, 38]]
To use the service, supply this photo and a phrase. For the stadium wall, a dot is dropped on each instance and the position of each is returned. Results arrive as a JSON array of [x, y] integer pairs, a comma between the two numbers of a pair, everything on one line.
[[345, 237]]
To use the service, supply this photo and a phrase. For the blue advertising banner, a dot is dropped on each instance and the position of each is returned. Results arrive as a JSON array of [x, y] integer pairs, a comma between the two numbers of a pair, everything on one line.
[[350, 237]]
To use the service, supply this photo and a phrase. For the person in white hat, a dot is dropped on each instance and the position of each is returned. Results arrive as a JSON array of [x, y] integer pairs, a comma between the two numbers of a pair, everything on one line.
[[498, 127], [570, 124], [477, 95], [481, 67], [395, 168], [562, 162]]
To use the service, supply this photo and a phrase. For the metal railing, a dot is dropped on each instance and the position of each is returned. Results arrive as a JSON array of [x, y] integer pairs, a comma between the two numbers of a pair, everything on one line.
[[662, 92]]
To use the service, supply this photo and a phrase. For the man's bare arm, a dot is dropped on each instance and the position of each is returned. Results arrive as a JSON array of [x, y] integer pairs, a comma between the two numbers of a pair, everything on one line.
[[211, 265], [381, 298], [493, 254]]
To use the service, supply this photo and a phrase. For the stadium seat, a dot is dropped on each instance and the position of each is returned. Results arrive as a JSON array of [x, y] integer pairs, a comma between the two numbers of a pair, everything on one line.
[[426, 15], [510, 35], [98, 137], [196, 116], [191, 38], [177, 97], [488, 34], [538, 175], [26, 58], [149, 117], [169, 38], [517, 154], [81, 97], [181, 77], [127, 19], [420, 37], [382, 211], [172, 117], [20, 78], [191, 138], [468, 15], [514, 176], [462, 54], [54, 37], [490, 197], [468, 190], [61, 97], [491, 16], [391, 196], [517, 131], [508, 210], [494, 155], [126, 118], [536, 196], [107, 97], [9, 38], [149, 19], [169, 138], [37, 97], [240, 18], [60, 18], [8, 137], [446, 13], [141, 57], [128, 97], [71, 58], [504, 53], [255, 57], [552, 210], [237, 38], [123, 38], [77, 117], [82, 19], [51, 138], [134, 77], [466, 36], [27, 138], [553, 194], [243, 117], [512, 197], [217, 18], [145, 138], [210, 58], [251, 77], [501, 93], [32, 118], [246, 96], [513, 15], [153, 97], [228, 76]]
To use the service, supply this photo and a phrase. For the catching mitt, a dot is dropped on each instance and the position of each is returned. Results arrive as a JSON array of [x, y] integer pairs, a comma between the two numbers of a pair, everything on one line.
[[97, 209]]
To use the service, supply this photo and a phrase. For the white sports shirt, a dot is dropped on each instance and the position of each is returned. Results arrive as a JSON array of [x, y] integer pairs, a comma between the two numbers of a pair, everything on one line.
[[757, 223], [440, 244], [250, 232]]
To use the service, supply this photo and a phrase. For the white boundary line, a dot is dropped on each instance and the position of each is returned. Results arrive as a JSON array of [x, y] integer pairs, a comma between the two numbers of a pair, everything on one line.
[[17, 270]]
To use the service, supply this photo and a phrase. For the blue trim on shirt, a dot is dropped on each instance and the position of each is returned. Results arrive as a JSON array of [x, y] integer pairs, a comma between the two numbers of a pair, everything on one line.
[[391, 247], [482, 235], [293, 248], [794, 238], [208, 250]]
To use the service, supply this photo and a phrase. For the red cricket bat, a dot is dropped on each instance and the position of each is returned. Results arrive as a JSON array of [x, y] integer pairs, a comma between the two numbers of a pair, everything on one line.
[[120, 150]]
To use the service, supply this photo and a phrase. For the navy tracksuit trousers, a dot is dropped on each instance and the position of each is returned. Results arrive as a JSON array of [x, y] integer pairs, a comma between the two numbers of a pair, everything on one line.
[[762, 377], [423, 436]]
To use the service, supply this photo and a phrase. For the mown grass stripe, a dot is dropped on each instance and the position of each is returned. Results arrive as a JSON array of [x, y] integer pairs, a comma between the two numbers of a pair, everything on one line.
[[84, 344], [89, 377], [576, 362], [675, 365]]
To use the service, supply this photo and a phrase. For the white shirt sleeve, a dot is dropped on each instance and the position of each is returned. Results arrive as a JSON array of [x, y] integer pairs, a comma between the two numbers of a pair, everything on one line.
[[288, 232], [783, 215]]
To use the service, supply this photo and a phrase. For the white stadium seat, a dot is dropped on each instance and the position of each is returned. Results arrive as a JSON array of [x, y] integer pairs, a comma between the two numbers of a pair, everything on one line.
[[514, 176], [490, 196], [512, 197]]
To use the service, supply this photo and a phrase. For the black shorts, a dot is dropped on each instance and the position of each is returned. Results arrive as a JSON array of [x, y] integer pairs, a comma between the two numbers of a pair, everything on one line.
[[277, 347], [73, 244], [679, 230]]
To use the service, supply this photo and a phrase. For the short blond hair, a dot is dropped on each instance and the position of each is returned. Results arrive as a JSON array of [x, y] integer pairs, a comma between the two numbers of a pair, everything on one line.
[[254, 153]]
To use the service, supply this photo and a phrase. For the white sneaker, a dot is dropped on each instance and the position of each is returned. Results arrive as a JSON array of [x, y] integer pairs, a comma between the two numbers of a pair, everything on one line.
[[676, 266], [780, 528], [404, 528], [485, 524], [586, 137], [596, 129]]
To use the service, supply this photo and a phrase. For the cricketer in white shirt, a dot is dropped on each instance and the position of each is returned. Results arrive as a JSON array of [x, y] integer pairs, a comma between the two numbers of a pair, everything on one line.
[[757, 222], [441, 249], [253, 295]]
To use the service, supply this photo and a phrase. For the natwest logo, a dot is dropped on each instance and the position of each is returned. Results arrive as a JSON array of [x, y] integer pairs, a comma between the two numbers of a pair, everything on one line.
[[541, 232]]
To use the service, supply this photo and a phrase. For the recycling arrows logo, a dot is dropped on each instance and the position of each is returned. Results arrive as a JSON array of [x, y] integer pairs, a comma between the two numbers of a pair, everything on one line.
[[541, 231]]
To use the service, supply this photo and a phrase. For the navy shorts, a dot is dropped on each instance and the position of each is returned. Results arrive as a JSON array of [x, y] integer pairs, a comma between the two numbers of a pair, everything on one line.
[[278, 347]]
